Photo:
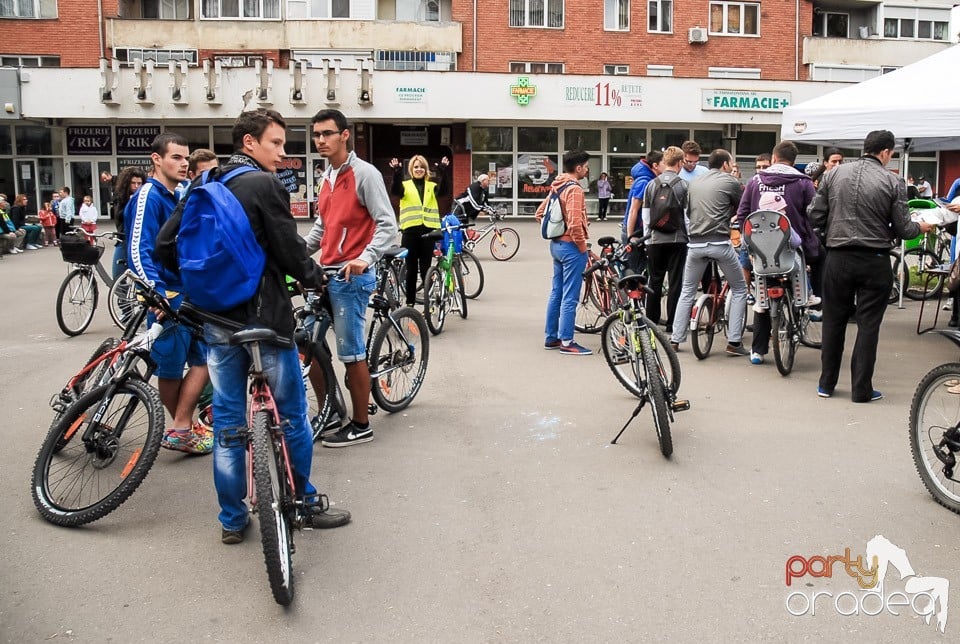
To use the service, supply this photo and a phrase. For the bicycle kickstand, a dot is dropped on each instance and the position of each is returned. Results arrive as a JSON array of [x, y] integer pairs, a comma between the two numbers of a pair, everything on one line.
[[629, 420]]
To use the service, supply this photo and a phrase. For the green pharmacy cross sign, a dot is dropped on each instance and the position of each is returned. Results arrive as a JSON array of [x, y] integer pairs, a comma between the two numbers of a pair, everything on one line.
[[523, 91]]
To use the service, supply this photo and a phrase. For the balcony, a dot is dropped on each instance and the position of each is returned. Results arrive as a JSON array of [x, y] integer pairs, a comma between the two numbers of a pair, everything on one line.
[[867, 52], [229, 35]]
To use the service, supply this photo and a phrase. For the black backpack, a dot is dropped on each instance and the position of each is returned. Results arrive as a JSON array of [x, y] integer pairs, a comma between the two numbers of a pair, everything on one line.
[[666, 209]]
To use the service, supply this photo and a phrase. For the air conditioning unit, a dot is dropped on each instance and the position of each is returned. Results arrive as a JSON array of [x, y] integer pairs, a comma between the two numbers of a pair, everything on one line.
[[698, 34]]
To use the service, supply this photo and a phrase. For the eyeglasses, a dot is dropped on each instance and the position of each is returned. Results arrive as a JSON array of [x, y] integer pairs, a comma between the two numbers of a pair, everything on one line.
[[325, 134]]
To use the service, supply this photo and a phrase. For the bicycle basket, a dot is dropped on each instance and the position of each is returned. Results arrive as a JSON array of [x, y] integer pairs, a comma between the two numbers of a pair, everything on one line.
[[76, 250]]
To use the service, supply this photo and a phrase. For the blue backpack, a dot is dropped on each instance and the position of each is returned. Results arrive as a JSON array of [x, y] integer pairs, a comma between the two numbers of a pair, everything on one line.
[[451, 228], [221, 262]]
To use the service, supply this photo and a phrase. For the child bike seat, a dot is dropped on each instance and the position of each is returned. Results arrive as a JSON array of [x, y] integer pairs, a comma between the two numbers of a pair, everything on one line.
[[768, 237]]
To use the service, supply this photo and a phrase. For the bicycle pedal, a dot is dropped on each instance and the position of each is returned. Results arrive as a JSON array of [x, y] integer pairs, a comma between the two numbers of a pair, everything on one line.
[[372, 409], [681, 405]]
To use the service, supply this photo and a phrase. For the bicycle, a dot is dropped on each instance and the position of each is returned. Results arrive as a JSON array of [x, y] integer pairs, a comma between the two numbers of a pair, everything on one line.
[[505, 241], [107, 427], [649, 377], [443, 287], [934, 426], [599, 295], [78, 295], [920, 268], [710, 314]]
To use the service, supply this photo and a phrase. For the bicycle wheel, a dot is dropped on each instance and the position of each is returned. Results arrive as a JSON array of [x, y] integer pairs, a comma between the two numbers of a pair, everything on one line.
[[274, 500], [76, 302], [701, 335], [436, 301], [459, 290], [916, 264], [86, 469], [894, 296], [656, 390], [624, 362], [505, 245], [122, 300], [321, 412], [782, 336], [472, 274], [398, 360], [811, 331], [934, 419], [590, 315]]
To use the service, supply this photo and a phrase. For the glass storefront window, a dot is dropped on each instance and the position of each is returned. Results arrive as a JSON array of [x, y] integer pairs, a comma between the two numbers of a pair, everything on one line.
[[709, 140], [851, 153], [7, 185], [296, 144], [6, 141], [223, 141], [197, 136], [50, 177], [33, 140], [500, 169], [619, 172], [754, 143], [663, 139], [535, 173], [491, 139], [537, 139], [588, 140], [805, 149], [623, 141]]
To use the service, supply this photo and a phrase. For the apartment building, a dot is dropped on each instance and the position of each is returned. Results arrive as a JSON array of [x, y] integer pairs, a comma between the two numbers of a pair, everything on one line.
[[500, 86]]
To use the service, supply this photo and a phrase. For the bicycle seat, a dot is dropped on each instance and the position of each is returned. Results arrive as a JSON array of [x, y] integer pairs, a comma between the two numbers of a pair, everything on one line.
[[631, 281], [607, 241], [254, 334], [394, 252], [436, 234]]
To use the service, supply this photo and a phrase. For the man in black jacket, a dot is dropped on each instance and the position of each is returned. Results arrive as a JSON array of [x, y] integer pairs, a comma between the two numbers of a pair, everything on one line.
[[472, 200], [258, 140], [863, 208]]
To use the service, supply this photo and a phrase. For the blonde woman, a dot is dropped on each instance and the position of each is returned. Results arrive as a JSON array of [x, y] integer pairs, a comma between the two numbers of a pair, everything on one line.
[[419, 214]]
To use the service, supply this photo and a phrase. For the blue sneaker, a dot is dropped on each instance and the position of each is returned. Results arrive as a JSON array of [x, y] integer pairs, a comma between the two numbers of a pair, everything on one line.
[[823, 393], [574, 349], [876, 395]]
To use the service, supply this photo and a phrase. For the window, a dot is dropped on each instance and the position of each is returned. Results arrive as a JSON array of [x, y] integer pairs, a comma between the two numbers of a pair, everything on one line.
[[660, 16], [662, 139], [15, 60], [735, 18], [414, 60], [318, 9], [243, 9], [536, 68], [159, 56], [627, 141], [588, 140], [536, 13], [616, 15], [659, 70], [165, 9], [910, 28], [733, 72], [616, 70], [418, 11], [831, 25], [28, 8]]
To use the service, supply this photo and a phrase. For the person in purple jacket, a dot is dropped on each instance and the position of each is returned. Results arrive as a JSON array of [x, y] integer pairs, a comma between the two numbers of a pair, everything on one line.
[[798, 192]]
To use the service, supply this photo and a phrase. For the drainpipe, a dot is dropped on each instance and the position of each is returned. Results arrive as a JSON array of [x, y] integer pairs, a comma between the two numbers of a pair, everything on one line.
[[475, 35], [796, 49], [100, 25]]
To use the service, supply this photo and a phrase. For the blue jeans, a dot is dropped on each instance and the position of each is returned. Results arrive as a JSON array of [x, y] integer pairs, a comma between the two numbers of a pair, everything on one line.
[[697, 260], [229, 366], [568, 266], [349, 300]]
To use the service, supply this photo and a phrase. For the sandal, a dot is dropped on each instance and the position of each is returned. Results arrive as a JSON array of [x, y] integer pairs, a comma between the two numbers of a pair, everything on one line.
[[954, 390], [953, 382]]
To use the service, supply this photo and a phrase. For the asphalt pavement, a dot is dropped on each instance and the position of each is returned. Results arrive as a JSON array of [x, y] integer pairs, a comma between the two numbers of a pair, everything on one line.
[[495, 508]]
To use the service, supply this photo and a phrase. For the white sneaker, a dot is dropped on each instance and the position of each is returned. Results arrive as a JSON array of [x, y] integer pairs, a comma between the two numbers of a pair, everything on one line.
[[813, 301], [14, 251], [32, 247], [755, 358]]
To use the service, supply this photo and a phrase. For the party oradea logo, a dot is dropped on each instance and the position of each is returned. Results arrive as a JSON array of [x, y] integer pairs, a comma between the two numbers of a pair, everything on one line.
[[871, 593]]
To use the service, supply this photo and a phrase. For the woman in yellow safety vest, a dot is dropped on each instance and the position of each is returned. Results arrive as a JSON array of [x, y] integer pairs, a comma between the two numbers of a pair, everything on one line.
[[419, 214]]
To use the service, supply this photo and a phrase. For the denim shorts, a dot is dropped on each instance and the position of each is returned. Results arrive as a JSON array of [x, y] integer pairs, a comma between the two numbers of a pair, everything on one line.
[[175, 347], [349, 300]]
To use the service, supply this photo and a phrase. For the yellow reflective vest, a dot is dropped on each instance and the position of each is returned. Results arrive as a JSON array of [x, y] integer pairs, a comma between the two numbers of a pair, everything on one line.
[[414, 213]]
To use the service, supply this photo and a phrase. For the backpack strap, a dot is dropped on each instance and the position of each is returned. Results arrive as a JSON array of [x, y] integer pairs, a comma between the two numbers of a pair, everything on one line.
[[241, 169]]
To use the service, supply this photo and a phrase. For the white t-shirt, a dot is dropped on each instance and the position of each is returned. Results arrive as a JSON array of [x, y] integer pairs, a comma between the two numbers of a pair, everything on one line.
[[88, 214], [925, 190]]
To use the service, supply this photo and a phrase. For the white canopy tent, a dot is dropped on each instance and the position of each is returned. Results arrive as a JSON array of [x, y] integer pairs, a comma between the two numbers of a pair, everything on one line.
[[919, 103]]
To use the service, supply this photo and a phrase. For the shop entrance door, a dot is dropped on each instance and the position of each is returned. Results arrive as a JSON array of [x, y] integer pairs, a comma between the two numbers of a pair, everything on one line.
[[84, 179]]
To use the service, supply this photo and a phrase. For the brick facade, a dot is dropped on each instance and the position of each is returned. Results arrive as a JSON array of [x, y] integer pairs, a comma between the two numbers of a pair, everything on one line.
[[73, 35]]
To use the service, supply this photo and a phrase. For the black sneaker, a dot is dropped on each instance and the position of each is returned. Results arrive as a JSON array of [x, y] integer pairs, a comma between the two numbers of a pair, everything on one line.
[[233, 537], [349, 435], [329, 518], [332, 427]]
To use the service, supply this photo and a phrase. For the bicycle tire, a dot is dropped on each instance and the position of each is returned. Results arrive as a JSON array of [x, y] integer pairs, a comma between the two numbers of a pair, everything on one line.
[[77, 302], [623, 361], [914, 278], [396, 371], [944, 413], [656, 391], [504, 246], [894, 295], [92, 487], [701, 335], [320, 412], [811, 331], [459, 290], [274, 500], [589, 317], [781, 334], [434, 301], [473, 278], [122, 302]]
